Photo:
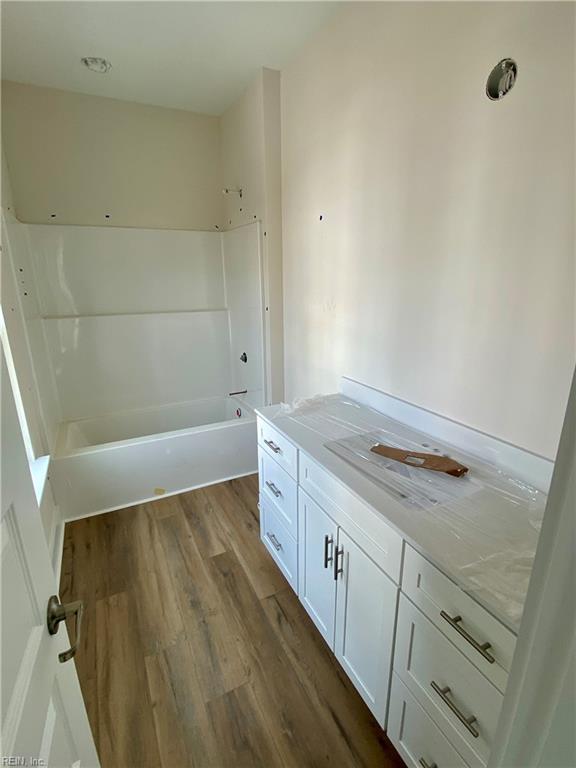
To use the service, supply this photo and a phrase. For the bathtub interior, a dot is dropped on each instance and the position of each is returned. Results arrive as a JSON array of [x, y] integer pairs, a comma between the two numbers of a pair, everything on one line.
[[142, 331], [83, 434]]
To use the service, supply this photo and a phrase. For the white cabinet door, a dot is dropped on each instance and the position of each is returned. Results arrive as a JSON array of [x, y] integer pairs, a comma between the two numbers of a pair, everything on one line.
[[365, 618], [44, 720], [317, 543]]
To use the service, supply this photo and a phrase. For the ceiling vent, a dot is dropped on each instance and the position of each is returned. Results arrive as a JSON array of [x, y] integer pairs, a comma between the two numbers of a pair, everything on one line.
[[96, 64]]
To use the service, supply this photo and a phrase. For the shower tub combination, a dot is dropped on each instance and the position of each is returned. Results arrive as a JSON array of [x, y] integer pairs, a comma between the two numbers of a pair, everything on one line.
[[119, 459], [149, 354]]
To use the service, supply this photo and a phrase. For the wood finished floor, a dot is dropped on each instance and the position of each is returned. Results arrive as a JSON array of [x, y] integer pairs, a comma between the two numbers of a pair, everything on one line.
[[196, 652]]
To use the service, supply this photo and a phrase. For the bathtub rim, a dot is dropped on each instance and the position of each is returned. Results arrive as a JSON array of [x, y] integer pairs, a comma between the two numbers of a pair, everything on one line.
[[154, 436]]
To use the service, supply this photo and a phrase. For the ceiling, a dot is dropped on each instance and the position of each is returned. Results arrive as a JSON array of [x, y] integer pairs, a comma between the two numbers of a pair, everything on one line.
[[197, 56]]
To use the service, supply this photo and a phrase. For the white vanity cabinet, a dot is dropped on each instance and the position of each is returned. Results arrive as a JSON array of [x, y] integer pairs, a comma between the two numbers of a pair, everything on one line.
[[342, 561], [350, 599], [430, 661]]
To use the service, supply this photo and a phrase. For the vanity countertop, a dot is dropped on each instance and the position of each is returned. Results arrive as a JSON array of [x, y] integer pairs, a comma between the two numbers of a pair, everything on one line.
[[484, 538]]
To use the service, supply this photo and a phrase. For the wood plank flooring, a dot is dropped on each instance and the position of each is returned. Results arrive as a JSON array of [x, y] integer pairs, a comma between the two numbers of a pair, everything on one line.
[[196, 652]]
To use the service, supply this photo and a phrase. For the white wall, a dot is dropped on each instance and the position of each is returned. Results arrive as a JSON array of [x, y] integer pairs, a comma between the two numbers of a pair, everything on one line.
[[81, 157], [442, 270], [250, 132]]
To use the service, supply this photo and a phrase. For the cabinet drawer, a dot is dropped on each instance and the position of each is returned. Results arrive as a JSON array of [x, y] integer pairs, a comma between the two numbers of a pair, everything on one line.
[[446, 684], [459, 617], [416, 737], [280, 490], [278, 542], [277, 446], [381, 542]]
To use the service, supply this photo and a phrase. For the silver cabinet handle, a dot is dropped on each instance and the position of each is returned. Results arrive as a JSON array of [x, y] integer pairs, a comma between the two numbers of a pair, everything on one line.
[[275, 543], [338, 570], [424, 764], [328, 542], [482, 648], [466, 721], [57, 612], [273, 446], [273, 489]]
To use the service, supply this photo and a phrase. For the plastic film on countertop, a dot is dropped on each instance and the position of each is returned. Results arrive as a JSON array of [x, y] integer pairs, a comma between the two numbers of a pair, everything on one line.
[[496, 540]]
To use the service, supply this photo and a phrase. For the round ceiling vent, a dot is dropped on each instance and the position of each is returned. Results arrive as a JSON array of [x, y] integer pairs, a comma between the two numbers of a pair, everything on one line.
[[96, 64], [501, 79]]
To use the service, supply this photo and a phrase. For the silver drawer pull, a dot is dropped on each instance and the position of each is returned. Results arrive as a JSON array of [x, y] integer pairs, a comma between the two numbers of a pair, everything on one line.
[[424, 764], [328, 542], [275, 543], [337, 568], [273, 446], [482, 649], [466, 721], [273, 488]]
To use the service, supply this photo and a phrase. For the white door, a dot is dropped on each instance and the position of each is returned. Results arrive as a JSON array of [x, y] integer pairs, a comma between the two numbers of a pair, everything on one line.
[[316, 584], [44, 720], [365, 617]]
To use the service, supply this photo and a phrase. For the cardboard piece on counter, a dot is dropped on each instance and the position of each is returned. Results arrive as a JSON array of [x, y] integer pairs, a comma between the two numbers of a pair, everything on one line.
[[422, 460]]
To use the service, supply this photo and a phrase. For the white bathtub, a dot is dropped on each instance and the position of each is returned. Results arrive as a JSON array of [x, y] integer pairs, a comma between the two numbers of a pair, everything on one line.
[[129, 457]]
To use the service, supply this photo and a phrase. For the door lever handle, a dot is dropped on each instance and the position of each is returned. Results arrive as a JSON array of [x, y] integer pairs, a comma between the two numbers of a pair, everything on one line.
[[58, 612]]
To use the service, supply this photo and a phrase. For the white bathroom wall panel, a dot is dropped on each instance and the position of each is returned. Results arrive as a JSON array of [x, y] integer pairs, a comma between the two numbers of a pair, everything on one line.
[[106, 270], [26, 336], [250, 145], [242, 267], [111, 363], [120, 319], [245, 325]]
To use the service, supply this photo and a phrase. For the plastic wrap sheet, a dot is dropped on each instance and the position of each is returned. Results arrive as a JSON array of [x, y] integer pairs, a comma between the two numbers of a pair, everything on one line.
[[424, 488], [485, 524]]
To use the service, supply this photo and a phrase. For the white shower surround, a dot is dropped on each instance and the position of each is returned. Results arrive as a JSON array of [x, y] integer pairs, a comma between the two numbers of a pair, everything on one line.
[[143, 331], [139, 318]]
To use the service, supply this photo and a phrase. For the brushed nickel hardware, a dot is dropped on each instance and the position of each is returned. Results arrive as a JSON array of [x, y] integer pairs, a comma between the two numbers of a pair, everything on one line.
[[328, 542], [424, 764], [337, 570], [273, 446], [482, 649], [466, 721], [273, 489], [57, 612], [275, 543]]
